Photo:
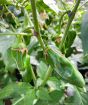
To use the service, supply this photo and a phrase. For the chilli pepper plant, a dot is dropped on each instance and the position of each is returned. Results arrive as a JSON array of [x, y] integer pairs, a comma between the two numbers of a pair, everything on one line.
[[36, 38]]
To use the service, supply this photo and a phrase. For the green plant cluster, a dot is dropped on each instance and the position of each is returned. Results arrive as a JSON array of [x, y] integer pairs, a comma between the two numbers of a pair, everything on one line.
[[36, 38]]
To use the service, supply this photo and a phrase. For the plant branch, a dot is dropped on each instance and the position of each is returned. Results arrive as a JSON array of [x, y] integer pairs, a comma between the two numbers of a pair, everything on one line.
[[15, 34], [36, 25], [69, 24], [61, 19], [33, 74]]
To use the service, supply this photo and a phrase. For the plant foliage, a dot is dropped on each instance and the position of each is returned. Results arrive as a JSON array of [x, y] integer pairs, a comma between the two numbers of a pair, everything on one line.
[[36, 38]]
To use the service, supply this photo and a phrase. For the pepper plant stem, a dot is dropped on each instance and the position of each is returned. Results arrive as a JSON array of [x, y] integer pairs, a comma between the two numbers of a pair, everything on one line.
[[33, 74], [69, 23], [36, 25], [48, 73], [15, 34], [60, 21]]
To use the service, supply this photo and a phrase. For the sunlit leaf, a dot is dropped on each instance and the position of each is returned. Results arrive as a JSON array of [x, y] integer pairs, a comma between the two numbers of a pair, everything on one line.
[[14, 88], [42, 69], [52, 4], [43, 94], [27, 99], [84, 36]]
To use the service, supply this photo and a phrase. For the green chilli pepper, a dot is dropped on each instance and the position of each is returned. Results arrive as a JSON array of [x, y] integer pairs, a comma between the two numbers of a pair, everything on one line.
[[27, 77], [64, 67]]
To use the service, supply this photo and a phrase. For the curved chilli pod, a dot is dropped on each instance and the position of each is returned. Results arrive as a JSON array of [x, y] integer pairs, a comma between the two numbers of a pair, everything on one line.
[[27, 76], [64, 67]]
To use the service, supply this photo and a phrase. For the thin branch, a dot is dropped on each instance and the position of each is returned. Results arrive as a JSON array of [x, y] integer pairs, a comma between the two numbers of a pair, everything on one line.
[[60, 21], [36, 25], [69, 24], [15, 34]]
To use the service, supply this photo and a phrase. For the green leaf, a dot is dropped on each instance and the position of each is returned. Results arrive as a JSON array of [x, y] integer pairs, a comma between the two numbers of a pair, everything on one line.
[[79, 98], [32, 45], [56, 96], [27, 22], [2, 2], [1, 102], [9, 60], [84, 33], [84, 98], [42, 102], [42, 69], [39, 82], [18, 59], [27, 99], [14, 88], [69, 51], [43, 94], [54, 83], [43, 7], [6, 42], [84, 36], [69, 41], [52, 4]]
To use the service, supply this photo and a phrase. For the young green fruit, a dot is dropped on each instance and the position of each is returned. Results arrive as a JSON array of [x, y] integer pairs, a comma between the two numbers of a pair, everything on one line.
[[27, 76], [26, 61], [64, 67]]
